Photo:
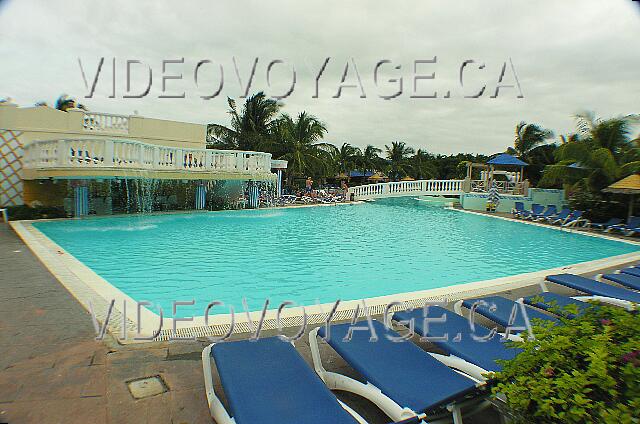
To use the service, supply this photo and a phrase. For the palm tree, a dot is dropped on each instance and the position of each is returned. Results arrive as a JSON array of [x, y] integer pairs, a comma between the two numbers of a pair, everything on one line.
[[251, 129], [64, 103], [298, 143], [600, 154], [422, 166], [345, 157], [539, 158], [398, 154], [564, 139], [368, 159], [528, 137]]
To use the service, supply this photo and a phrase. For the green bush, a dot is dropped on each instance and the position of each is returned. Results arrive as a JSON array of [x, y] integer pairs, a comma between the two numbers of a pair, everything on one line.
[[39, 212], [598, 207], [586, 370]]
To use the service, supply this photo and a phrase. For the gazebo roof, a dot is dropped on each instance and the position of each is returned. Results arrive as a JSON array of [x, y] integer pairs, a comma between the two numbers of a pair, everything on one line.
[[505, 159], [628, 185]]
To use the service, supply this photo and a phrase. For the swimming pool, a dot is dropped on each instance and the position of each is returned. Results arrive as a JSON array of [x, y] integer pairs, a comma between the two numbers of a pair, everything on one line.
[[312, 255]]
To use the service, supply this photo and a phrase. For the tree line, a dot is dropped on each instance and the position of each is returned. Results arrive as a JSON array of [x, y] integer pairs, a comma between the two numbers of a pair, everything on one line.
[[260, 125], [599, 152]]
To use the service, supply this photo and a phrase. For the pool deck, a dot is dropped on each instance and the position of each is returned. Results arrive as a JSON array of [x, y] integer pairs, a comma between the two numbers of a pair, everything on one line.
[[52, 370]]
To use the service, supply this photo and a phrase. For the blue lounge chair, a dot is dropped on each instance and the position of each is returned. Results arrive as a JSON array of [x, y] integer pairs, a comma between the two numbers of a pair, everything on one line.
[[518, 209], [466, 353], [560, 216], [633, 223], [401, 378], [268, 382], [626, 279], [551, 211], [635, 271], [596, 289], [536, 209], [632, 230], [574, 219], [500, 310], [605, 225], [557, 304]]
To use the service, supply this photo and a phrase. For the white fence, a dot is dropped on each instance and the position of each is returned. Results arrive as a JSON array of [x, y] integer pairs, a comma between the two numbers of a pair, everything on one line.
[[127, 154], [505, 187], [407, 188], [105, 123]]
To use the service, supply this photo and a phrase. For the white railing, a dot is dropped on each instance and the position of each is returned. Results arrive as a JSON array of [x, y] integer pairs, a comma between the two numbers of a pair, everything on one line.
[[105, 123], [506, 187], [407, 188], [127, 154]]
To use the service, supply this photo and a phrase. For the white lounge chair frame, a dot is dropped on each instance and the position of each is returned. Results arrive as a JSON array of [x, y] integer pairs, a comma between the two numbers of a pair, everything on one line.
[[4, 214], [600, 277], [471, 370], [594, 298], [369, 391], [217, 409], [570, 224]]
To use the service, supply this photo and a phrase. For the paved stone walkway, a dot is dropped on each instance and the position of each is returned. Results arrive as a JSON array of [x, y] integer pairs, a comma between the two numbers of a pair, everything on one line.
[[52, 370]]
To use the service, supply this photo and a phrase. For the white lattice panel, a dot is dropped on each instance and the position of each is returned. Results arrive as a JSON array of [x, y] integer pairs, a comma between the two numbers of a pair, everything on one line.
[[10, 165]]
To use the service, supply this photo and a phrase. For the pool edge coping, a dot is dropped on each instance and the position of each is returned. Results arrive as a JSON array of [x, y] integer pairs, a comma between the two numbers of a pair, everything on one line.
[[93, 291]]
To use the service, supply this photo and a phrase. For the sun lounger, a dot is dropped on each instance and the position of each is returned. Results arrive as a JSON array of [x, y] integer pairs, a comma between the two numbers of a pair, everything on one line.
[[536, 209], [560, 216], [632, 225], [605, 225], [401, 378], [634, 270], [501, 311], [632, 231], [551, 211], [268, 382], [597, 290], [465, 352], [574, 219], [5, 217], [557, 304], [626, 279], [518, 209]]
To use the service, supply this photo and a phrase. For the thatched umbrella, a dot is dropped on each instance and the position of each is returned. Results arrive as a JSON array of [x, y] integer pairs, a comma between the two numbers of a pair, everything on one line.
[[629, 185], [407, 178], [377, 177]]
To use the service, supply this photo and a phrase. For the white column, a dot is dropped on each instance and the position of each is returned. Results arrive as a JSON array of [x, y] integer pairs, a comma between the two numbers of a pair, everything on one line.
[[81, 200], [279, 183], [201, 196]]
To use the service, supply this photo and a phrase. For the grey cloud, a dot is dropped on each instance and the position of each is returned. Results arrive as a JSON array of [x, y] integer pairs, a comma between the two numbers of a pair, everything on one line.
[[569, 56]]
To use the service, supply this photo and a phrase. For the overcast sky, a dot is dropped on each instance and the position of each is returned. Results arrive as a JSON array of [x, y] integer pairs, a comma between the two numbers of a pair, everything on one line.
[[568, 56]]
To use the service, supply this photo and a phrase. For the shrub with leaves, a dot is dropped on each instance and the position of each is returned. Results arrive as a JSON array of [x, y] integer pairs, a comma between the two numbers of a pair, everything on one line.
[[585, 370]]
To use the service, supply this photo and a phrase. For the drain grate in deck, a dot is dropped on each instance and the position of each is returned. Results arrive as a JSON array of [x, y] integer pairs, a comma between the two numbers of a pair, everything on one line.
[[141, 388]]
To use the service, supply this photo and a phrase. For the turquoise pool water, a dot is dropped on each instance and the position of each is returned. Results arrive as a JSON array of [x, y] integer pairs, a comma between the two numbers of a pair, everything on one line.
[[310, 255]]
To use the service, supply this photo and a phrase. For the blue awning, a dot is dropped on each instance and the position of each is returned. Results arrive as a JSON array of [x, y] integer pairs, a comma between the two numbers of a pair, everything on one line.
[[506, 160], [360, 174]]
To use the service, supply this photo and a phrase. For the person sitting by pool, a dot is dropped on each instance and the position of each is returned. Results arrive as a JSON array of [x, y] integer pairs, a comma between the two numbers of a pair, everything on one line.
[[309, 184]]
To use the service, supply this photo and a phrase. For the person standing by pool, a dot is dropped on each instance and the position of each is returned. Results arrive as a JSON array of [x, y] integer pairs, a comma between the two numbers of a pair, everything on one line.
[[309, 184], [345, 189]]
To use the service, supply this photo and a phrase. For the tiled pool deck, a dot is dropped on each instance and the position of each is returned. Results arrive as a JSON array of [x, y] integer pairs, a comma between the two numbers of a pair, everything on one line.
[[52, 370]]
